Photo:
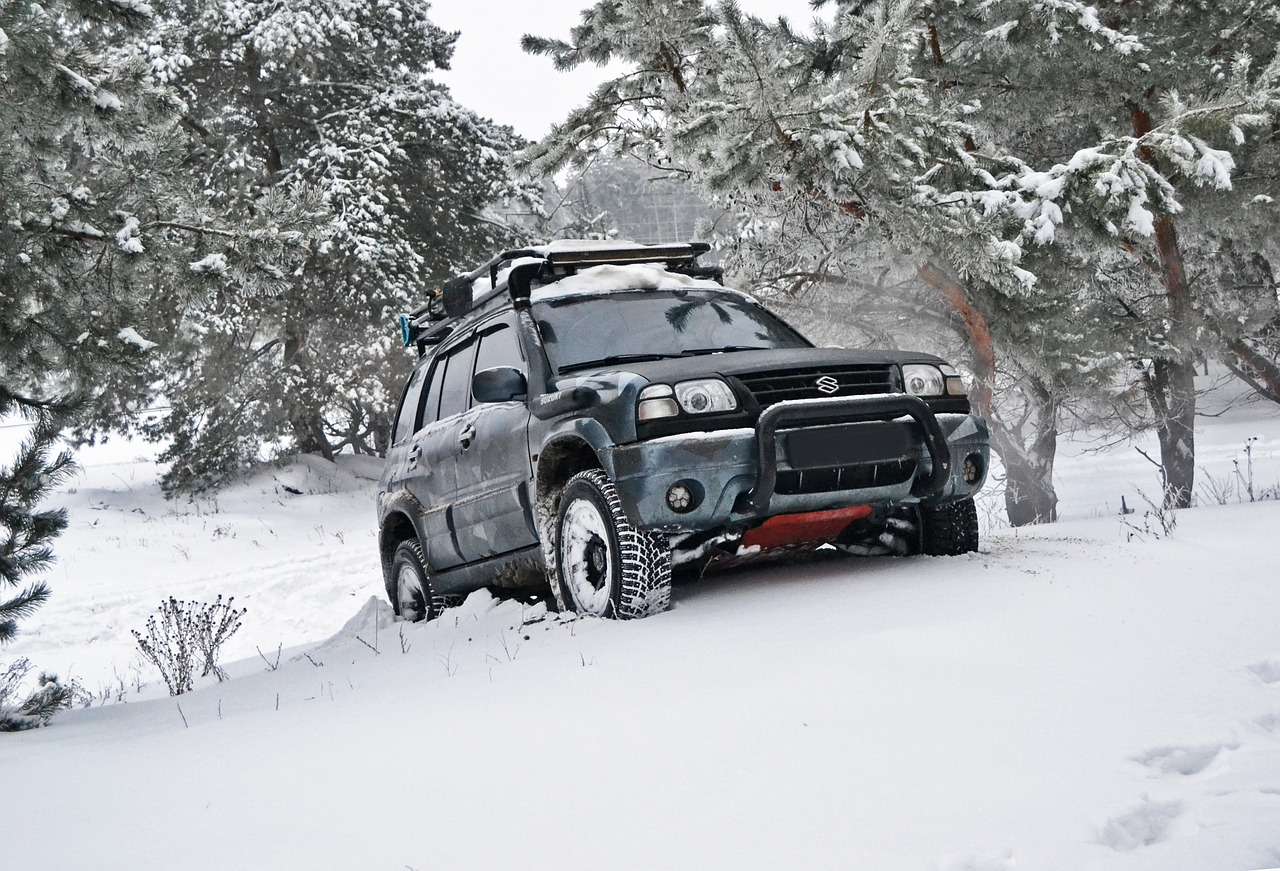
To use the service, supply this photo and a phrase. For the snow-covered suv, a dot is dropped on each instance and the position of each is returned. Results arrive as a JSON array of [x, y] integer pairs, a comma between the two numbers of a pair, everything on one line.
[[587, 415]]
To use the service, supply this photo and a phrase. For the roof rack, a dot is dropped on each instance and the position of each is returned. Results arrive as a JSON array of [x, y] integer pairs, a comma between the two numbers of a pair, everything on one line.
[[426, 325]]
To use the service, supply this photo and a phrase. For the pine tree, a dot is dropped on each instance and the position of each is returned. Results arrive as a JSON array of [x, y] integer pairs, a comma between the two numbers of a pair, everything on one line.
[[914, 129], [820, 144], [320, 120], [25, 549], [87, 142], [1140, 115]]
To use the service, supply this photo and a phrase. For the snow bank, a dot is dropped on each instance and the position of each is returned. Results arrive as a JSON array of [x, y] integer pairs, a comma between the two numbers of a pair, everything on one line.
[[1078, 696]]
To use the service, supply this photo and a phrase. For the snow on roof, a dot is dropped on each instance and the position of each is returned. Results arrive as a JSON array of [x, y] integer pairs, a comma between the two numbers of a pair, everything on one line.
[[484, 284], [612, 277], [587, 244]]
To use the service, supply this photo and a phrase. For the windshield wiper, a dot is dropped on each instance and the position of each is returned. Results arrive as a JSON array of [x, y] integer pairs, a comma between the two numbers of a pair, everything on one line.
[[722, 349], [615, 358]]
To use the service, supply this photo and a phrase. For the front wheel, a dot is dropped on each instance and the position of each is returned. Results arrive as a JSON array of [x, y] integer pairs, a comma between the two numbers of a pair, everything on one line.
[[605, 566], [949, 530]]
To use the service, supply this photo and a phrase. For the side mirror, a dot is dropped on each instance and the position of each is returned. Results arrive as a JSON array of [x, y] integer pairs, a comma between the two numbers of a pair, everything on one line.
[[499, 384]]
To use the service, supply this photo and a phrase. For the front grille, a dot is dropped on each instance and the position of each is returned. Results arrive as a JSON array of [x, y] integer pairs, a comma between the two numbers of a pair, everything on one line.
[[803, 383], [793, 482]]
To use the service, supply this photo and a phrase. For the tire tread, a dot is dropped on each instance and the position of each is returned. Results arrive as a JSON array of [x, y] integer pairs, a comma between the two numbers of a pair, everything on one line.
[[435, 602], [645, 583], [950, 529]]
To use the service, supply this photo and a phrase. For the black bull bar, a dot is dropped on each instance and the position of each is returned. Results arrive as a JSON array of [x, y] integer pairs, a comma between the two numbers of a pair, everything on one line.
[[880, 406]]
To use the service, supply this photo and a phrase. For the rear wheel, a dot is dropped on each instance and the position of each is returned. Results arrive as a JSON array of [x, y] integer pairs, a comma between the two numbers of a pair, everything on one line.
[[415, 597], [950, 529], [606, 567]]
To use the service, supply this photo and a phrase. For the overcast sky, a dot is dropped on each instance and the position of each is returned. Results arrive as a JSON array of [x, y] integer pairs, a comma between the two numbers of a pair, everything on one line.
[[495, 78]]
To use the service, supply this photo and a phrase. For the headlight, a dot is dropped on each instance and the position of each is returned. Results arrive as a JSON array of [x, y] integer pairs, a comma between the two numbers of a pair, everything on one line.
[[705, 396], [923, 380], [656, 402], [699, 396], [955, 384]]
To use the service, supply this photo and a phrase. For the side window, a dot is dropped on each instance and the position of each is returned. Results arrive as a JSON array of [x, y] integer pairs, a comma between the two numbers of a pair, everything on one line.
[[409, 403], [455, 391], [499, 348], [431, 408]]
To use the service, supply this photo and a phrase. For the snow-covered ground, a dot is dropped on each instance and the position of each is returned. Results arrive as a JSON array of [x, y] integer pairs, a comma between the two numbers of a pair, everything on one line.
[[1080, 696]]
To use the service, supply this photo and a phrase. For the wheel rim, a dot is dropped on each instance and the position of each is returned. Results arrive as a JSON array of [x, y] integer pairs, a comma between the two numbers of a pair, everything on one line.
[[410, 595], [586, 558]]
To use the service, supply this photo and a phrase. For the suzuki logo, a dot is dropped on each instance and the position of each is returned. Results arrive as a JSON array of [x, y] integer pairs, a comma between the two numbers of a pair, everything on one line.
[[827, 384]]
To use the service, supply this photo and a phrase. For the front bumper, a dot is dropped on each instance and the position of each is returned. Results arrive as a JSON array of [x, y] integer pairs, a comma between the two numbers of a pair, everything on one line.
[[741, 475]]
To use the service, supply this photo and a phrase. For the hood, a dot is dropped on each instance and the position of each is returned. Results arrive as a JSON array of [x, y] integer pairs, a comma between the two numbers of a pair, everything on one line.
[[745, 362]]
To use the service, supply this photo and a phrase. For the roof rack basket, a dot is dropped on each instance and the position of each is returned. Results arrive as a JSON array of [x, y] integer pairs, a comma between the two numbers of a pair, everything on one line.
[[458, 296]]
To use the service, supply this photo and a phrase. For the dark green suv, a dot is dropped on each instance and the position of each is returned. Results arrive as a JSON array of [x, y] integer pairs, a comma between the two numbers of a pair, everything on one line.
[[587, 415]]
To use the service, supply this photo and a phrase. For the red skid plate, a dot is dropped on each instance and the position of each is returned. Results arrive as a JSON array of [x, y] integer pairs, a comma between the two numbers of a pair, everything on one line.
[[811, 526]]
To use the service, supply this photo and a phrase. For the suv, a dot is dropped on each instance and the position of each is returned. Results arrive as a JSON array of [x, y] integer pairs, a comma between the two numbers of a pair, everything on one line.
[[589, 415]]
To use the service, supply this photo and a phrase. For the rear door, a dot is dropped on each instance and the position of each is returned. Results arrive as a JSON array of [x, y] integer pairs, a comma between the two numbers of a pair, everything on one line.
[[431, 468]]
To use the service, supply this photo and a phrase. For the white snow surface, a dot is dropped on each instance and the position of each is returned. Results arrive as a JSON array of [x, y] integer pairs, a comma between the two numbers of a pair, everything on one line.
[[1075, 696], [596, 279], [611, 277], [133, 337], [587, 244], [215, 263]]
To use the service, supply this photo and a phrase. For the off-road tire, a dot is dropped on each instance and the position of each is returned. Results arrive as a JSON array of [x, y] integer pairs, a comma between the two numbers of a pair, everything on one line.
[[414, 596], [606, 567], [891, 531], [950, 529]]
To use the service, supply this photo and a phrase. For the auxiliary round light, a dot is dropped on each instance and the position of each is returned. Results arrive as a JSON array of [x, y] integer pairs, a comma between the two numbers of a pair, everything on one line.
[[972, 470], [684, 496]]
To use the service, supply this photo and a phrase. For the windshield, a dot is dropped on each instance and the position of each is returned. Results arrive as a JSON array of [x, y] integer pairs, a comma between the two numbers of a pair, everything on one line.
[[584, 331]]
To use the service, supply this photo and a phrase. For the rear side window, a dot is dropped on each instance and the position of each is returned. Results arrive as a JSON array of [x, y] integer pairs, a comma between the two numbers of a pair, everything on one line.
[[410, 402], [431, 408]]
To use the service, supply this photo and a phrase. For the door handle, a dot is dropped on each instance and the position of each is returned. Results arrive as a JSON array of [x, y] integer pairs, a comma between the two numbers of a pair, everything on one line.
[[415, 454], [467, 436]]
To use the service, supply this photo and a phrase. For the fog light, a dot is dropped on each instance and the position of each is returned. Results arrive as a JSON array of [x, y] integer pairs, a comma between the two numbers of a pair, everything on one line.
[[684, 496], [972, 470]]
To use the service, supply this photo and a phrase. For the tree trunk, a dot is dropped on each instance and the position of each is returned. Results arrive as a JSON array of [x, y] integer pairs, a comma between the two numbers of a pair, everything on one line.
[[262, 103], [381, 425], [308, 432], [306, 422], [1171, 381], [979, 331], [1171, 390], [1029, 494], [1171, 387], [1248, 363]]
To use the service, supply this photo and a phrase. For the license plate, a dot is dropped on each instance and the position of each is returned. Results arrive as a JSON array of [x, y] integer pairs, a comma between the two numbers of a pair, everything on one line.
[[845, 445]]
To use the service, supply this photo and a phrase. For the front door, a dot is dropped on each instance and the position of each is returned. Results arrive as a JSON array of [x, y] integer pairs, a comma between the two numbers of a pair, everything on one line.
[[492, 511]]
